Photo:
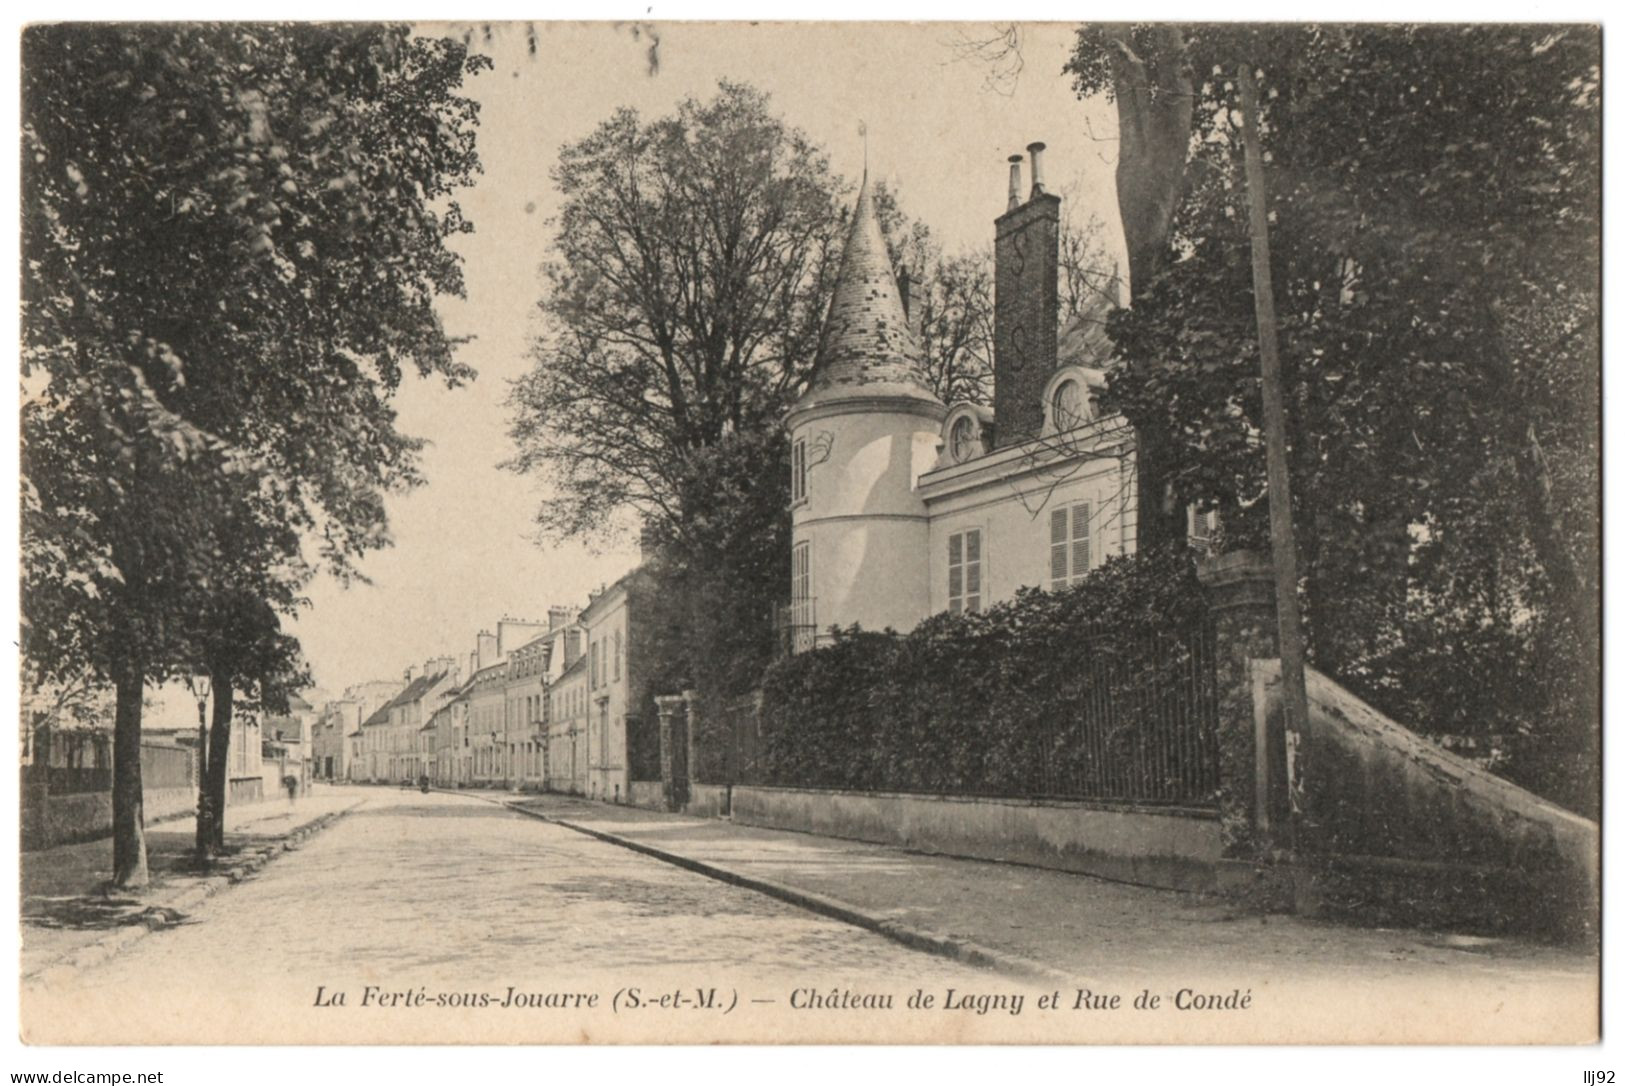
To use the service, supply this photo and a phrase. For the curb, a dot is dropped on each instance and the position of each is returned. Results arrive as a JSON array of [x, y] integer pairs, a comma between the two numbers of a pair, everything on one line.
[[946, 946], [109, 945]]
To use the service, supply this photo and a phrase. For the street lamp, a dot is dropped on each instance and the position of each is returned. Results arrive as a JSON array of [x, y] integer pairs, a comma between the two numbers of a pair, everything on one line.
[[199, 686]]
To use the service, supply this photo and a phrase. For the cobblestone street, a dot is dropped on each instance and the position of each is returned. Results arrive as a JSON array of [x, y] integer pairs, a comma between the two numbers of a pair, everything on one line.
[[433, 918], [451, 894]]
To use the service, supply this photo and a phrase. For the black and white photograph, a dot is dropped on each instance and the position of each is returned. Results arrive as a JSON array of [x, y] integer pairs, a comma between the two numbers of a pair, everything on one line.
[[681, 532]]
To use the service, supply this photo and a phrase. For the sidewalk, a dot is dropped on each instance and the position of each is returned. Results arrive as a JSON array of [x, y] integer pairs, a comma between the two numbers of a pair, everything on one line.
[[68, 908], [1074, 924]]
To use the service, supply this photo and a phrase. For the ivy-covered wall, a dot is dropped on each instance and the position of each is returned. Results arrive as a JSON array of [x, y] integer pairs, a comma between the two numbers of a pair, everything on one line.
[[1100, 691]]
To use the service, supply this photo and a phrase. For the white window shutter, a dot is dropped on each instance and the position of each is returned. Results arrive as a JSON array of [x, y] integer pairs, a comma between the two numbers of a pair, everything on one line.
[[1057, 548], [1080, 540]]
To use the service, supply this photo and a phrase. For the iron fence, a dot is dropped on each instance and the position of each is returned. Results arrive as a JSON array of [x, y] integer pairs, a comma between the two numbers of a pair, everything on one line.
[[1140, 724], [1133, 721]]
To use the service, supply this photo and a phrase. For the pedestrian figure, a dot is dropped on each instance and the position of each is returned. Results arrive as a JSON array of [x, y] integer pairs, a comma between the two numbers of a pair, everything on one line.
[[291, 783]]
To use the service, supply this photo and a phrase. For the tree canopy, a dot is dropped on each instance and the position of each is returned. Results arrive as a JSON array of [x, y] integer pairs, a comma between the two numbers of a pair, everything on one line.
[[693, 260], [1434, 216], [233, 238]]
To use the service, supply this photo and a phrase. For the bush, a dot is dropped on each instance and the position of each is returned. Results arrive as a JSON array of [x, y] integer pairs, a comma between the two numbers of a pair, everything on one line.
[[1069, 693]]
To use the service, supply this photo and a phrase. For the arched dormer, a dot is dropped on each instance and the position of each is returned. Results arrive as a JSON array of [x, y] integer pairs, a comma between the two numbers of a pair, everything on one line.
[[967, 433], [1070, 398]]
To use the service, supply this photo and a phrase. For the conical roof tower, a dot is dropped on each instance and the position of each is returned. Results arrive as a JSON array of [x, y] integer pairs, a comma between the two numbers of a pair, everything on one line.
[[867, 349]]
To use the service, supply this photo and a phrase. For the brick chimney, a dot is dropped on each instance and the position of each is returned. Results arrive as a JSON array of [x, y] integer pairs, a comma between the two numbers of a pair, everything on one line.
[[1026, 268], [486, 648]]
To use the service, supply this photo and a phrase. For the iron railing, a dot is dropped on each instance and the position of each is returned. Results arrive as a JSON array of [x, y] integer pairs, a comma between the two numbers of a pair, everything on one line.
[[1142, 725], [1138, 724], [795, 626]]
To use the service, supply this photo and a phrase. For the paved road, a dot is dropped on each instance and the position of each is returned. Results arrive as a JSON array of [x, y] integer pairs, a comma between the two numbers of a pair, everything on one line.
[[454, 896], [446, 918]]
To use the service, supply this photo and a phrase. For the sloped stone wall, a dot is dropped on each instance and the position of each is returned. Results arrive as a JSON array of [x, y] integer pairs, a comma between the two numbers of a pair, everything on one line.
[[1393, 828]]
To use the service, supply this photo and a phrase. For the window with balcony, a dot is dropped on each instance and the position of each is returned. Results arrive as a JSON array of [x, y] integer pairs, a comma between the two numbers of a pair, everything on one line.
[[801, 597]]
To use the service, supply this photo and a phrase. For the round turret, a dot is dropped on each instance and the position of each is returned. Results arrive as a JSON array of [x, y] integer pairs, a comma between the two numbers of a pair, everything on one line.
[[863, 432]]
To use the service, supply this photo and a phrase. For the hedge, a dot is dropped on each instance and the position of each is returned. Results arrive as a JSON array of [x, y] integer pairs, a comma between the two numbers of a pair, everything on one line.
[[1074, 692]]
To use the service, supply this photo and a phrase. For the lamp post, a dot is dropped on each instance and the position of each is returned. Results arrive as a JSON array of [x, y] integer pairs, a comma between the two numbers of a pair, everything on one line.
[[199, 686]]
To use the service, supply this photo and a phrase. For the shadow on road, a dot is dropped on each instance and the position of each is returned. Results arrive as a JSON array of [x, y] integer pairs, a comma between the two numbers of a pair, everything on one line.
[[99, 913], [432, 809]]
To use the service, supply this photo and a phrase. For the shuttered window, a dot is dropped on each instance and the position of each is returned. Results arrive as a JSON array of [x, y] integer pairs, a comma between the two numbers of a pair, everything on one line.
[[1200, 528], [1070, 554], [801, 600], [798, 470], [965, 571]]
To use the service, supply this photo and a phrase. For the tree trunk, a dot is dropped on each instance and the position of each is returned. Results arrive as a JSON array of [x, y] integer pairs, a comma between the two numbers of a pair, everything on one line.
[[129, 830], [219, 759], [1155, 103], [1549, 534], [205, 812]]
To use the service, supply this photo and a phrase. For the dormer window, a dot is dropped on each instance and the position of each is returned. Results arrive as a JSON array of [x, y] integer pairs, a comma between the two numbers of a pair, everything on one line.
[[962, 441], [1069, 398], [965, 434], [1069, 406]]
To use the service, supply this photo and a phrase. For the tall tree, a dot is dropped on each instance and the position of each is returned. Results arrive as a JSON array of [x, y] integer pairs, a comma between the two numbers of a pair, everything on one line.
[[233, 238], [240, 644], [1434, 212], [694, 256], [1146, 70]]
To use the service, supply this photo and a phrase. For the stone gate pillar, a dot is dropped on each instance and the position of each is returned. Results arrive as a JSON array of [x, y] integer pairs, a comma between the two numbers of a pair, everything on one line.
[[691, 762], [1252, 748], [673, 712]]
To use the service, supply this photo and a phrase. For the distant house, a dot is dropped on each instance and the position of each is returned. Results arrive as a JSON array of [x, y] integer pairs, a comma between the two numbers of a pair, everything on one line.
[[618, 623], [390, 746], [525, 695], [567, 729], [336, 734]]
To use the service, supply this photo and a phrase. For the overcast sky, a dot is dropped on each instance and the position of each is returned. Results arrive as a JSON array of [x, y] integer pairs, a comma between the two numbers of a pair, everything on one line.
[[464, 555]]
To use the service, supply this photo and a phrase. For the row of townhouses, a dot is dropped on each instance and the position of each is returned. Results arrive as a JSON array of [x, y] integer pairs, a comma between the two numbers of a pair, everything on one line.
[[536, 705]]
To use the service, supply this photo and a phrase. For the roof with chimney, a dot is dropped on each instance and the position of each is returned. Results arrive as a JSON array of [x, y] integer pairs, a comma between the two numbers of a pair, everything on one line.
[[867, 347], [414, 690]]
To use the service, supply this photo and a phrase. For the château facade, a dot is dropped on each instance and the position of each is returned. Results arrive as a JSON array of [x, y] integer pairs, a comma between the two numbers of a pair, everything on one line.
[[903, 506]]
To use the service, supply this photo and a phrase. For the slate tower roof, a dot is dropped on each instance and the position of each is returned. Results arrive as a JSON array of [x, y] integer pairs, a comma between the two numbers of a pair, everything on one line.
[[867, 348]]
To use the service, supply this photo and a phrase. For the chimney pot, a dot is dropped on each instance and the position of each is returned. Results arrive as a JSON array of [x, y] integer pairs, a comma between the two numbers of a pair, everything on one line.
[[1036, 150], [1015, 183]]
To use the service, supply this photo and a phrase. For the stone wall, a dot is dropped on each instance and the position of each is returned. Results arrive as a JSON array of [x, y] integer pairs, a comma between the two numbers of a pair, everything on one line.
[[241, 790], [49, 820], [648, 794], [708, 800], [1164, 847], [1393, 828]]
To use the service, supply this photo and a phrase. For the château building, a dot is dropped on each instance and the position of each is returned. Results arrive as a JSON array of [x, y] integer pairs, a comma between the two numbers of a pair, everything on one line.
[[903, 506]]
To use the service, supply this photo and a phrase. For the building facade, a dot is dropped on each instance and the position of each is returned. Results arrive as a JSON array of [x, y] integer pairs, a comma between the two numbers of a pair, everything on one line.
[[524, 694], [335, 736], [567, 729], [902, 506], [621, 728]]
